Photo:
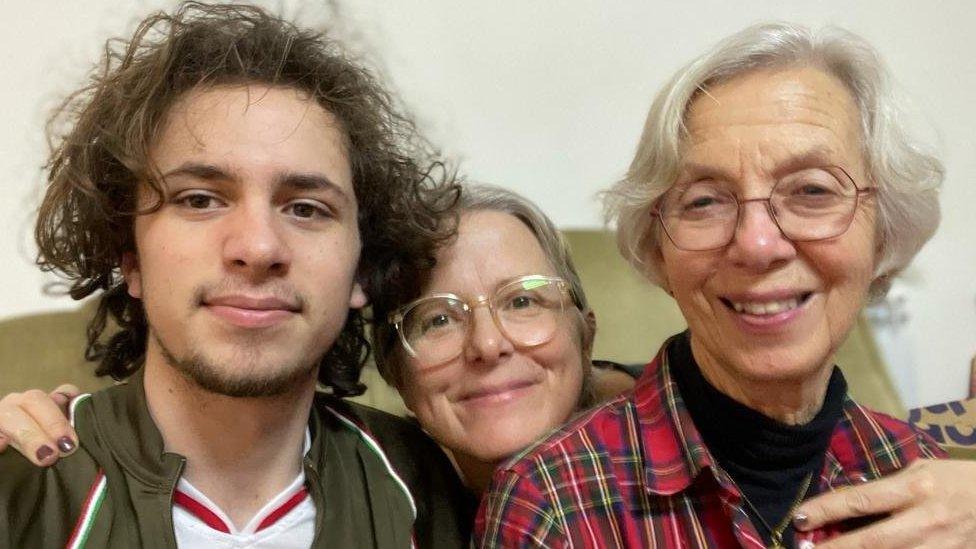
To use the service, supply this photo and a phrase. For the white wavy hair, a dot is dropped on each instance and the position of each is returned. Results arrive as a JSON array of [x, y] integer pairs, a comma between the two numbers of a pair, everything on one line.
[[907, 176]]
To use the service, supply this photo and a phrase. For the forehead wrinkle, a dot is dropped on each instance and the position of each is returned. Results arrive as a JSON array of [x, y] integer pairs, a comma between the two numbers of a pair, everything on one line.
[[769, 152]]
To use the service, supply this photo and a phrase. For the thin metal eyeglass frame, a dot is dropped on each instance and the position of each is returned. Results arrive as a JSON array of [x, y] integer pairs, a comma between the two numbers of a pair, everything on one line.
[[396, 317], [656, 212]]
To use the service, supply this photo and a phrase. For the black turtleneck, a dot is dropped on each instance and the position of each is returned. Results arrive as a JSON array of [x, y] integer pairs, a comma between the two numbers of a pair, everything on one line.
[[768, 460]]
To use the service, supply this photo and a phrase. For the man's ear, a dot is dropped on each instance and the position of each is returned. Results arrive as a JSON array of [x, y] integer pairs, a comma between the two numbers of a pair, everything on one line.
[[132, 274], [358, 299]]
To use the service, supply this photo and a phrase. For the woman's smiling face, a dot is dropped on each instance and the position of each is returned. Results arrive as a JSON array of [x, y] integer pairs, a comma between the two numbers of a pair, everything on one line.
[[495, 398], [765, 308]]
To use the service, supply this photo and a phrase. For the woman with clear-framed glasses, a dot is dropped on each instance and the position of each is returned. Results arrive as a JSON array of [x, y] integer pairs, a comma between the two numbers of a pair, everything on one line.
[[495, 349]]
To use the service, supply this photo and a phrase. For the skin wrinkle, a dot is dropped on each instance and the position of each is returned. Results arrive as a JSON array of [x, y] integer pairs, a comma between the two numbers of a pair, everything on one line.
[[751, 130]]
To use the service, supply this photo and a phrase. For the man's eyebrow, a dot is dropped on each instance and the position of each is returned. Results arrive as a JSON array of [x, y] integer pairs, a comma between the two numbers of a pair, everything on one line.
[[293, 181], [197, 170], [310, 182]]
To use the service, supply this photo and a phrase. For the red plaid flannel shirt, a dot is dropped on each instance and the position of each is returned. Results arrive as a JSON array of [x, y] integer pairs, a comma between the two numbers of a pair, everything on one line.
[[635, 473]]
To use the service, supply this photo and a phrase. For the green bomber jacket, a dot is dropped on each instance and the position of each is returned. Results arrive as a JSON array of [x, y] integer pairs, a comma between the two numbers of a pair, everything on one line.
[[376, 480]]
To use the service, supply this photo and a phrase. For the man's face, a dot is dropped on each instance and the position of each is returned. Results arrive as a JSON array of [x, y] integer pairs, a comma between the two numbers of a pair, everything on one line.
[[247, 271]]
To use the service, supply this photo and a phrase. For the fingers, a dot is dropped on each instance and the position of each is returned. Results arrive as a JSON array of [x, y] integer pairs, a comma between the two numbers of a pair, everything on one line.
[[50, 415], [63, 395], [33, 424], [874, 498], [904, 530], [931, 504], [938, 523], [26, 436]]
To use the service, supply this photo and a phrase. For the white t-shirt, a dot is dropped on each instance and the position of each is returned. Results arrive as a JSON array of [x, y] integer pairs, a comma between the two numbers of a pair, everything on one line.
[[285, 522]]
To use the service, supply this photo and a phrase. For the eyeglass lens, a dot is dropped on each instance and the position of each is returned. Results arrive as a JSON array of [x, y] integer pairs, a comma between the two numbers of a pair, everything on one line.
[[526, 311], [811, 204]]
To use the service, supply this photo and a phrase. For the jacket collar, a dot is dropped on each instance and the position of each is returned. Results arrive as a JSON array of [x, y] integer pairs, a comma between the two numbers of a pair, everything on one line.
[[122, 421], [346, 469]]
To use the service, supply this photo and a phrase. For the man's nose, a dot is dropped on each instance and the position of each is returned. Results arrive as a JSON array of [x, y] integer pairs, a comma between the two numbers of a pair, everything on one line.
[[255, 244]]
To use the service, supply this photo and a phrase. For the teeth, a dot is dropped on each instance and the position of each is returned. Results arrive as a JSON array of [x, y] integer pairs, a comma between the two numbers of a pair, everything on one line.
[[765, 308]]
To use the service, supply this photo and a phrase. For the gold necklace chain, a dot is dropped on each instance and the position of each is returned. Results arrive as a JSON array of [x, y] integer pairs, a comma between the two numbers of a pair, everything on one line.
[[776, 534]]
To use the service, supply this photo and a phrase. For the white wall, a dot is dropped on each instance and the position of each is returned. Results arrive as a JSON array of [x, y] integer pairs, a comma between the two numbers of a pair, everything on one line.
[[548, 97]]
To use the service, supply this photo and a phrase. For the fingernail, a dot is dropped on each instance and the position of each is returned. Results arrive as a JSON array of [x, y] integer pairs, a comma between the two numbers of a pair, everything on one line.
[[44, 452], [65, 444], [801, 520]]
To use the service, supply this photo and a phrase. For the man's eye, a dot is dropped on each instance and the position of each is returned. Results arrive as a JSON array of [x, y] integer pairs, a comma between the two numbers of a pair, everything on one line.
[[307, 210], [198, 201]]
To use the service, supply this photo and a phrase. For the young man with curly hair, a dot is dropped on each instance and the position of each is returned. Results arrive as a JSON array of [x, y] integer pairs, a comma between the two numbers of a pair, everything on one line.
[[238, 190]]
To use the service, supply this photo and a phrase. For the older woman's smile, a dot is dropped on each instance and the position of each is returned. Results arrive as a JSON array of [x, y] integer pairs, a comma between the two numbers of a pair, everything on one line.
[[766, 305], [766, 311]]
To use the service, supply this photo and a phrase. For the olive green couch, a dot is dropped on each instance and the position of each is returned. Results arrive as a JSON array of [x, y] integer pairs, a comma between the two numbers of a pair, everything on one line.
[[633, 319]]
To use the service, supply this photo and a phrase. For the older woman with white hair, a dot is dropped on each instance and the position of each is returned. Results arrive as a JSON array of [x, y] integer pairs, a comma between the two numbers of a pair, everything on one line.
[[773, 193]]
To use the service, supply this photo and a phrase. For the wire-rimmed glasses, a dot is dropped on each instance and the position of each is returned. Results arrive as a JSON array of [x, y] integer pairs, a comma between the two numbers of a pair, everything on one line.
[[527, 309], [807, 205]]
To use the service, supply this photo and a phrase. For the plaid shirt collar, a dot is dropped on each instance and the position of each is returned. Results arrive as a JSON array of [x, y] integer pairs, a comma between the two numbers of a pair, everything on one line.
[[666, 424], [860, 449]]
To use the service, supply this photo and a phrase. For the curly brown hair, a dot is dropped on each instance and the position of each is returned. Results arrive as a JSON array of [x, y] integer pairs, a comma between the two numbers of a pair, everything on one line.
[[406, 197]]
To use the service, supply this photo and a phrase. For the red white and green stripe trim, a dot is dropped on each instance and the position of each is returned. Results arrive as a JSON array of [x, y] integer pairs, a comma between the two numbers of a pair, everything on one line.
[[378, 450], [74, 405], [89, 510], [96, 493]]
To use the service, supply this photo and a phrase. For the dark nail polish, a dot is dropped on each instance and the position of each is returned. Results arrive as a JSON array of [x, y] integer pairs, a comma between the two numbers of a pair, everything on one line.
[[65, 444], [800, 520], [43, 452]]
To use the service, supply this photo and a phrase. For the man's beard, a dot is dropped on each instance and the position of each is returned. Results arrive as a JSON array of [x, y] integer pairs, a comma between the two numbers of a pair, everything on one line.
[[209, 377]]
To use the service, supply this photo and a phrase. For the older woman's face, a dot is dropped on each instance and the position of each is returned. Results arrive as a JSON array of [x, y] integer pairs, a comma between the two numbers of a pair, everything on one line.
[[797, 300], [495, 399]]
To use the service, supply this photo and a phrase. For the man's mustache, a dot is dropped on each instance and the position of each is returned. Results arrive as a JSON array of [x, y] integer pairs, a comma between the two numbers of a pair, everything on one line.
[[274, 295]]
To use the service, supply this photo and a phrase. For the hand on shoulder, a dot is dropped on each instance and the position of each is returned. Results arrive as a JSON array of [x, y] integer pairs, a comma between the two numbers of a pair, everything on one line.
[[930, 503], [35, 424]]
